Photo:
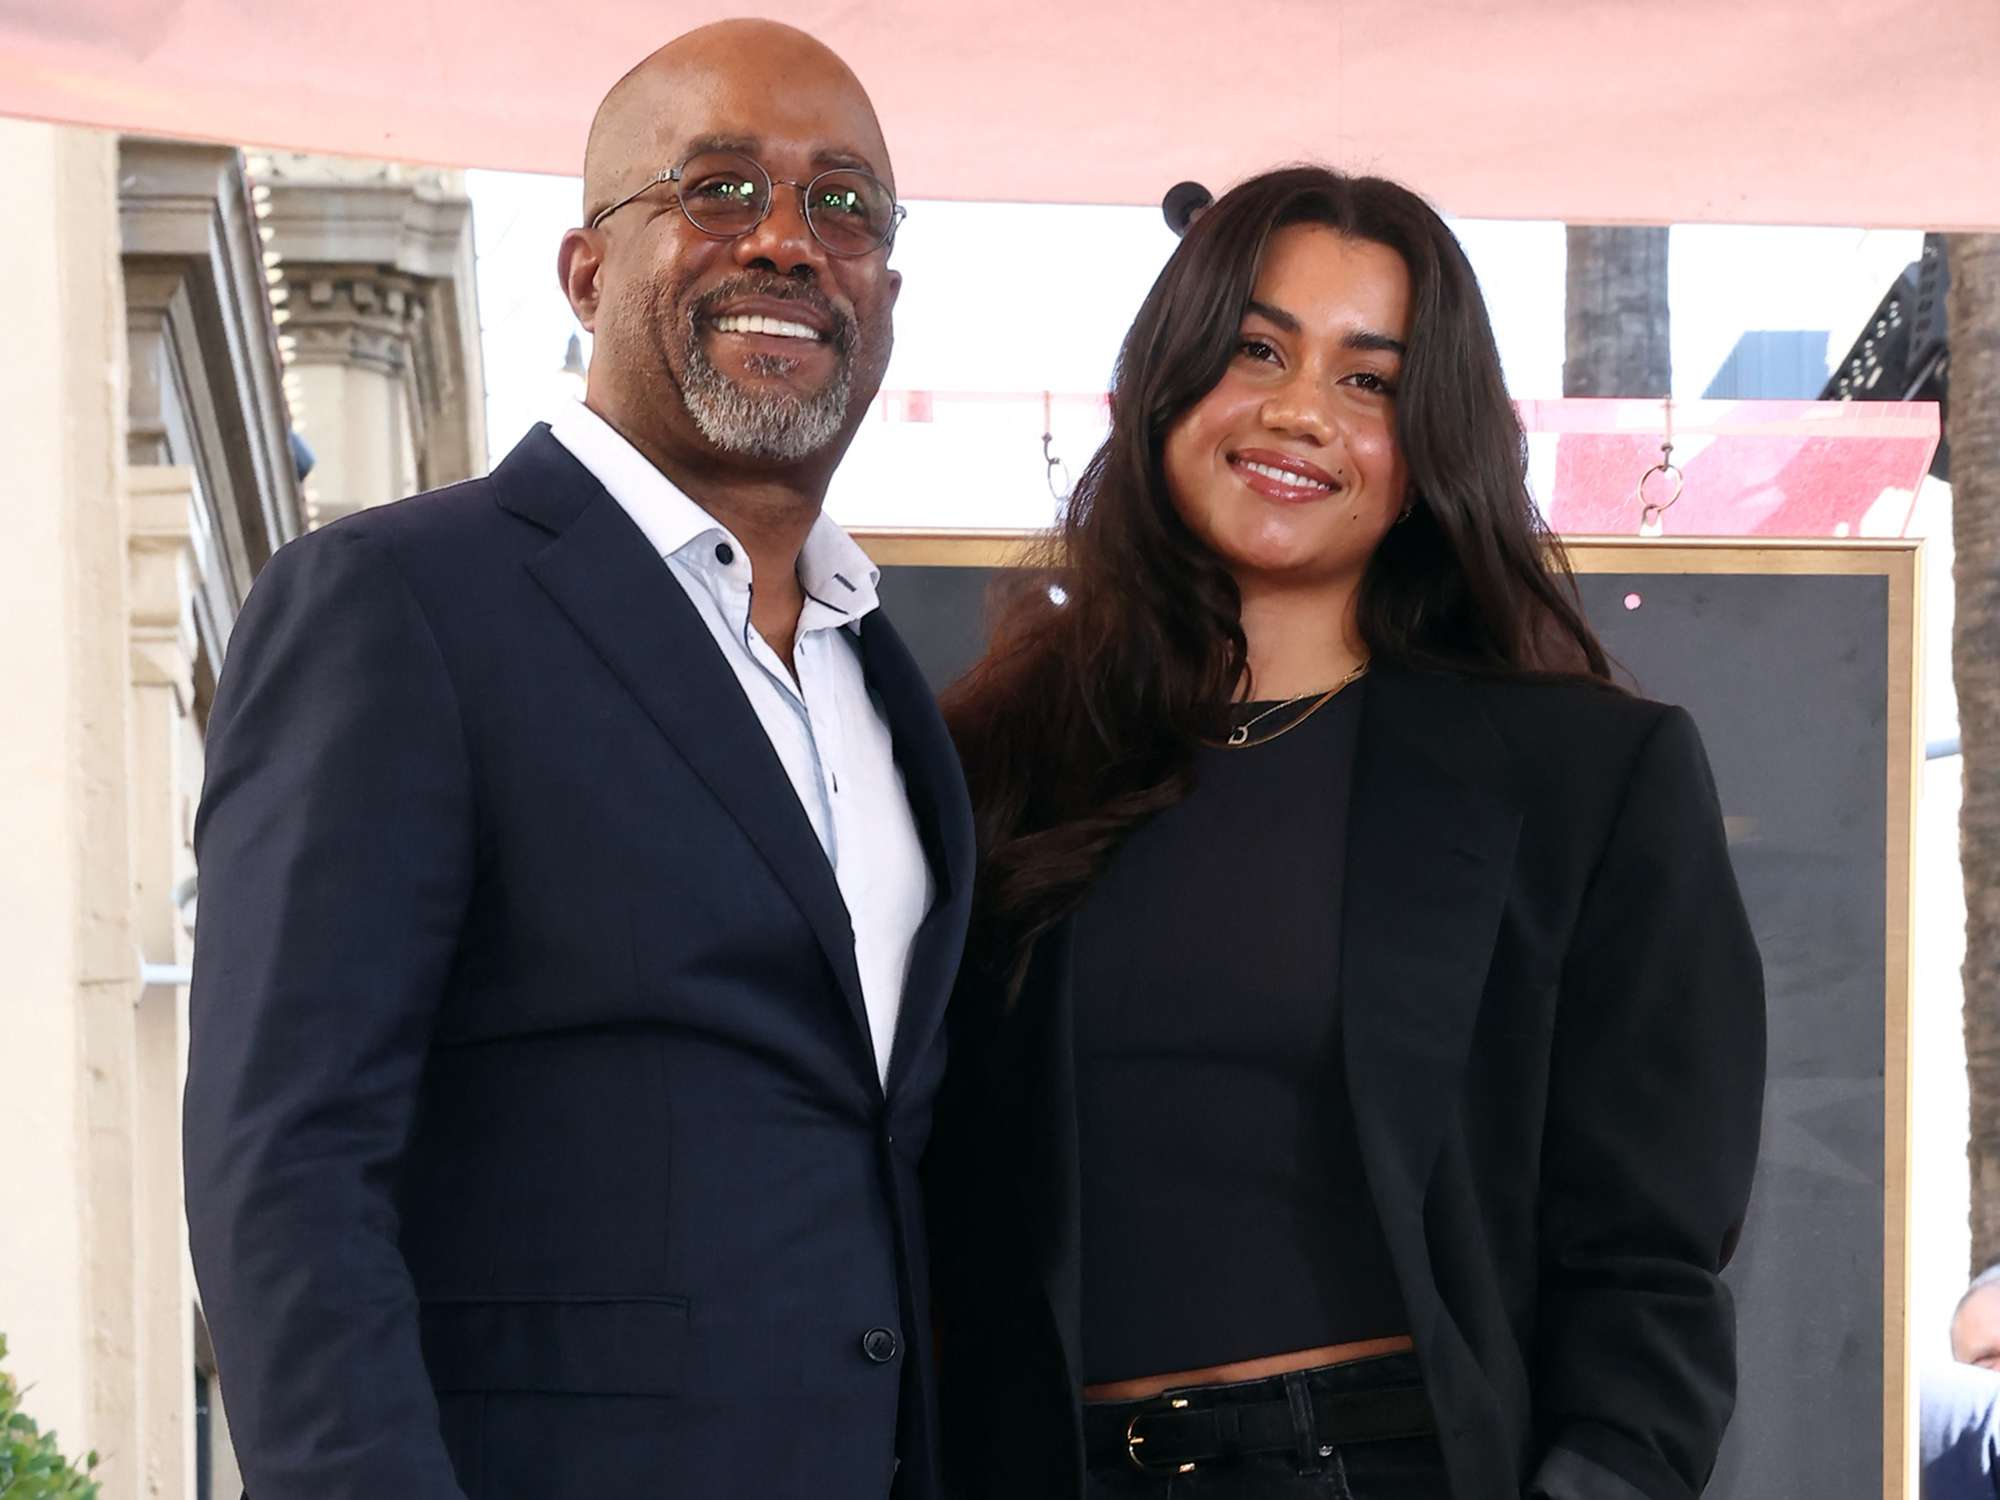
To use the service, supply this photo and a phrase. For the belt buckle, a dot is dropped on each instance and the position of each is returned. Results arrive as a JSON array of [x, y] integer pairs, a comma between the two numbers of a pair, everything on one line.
[[1134, 1440]]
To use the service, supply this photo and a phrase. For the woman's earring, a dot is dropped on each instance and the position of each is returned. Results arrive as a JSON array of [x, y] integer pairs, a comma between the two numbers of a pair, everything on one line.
[[1409, 509]]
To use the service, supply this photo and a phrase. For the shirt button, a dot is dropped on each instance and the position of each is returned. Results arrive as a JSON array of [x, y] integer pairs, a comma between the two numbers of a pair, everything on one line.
[[879, 1344], [724, 553]]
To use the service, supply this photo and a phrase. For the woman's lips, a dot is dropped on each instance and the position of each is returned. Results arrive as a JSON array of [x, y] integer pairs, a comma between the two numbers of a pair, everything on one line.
[[1280, 476]]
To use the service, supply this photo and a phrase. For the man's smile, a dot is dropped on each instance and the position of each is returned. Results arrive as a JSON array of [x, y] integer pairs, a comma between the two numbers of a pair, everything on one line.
[[768, 326]]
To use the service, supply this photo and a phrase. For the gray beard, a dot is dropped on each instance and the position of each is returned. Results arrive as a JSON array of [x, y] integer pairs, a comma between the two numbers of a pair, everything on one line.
[[775, 426]]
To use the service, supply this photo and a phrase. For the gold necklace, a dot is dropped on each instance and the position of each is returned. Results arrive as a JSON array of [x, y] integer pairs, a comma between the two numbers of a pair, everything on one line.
[[1239, 737]]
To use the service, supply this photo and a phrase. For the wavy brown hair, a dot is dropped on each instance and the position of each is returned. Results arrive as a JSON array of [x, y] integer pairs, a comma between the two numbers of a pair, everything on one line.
[[1118, 650]]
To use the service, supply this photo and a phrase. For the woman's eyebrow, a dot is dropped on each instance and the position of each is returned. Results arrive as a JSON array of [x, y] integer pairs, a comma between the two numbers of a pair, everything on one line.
[[1359, 338], [1364, 338], [1272, 314]]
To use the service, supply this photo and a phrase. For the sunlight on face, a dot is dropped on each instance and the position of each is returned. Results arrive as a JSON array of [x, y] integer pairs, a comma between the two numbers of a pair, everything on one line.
[[1289, 469]]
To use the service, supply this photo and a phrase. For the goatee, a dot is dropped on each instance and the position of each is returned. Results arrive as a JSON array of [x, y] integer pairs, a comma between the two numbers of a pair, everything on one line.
[[776, 425]]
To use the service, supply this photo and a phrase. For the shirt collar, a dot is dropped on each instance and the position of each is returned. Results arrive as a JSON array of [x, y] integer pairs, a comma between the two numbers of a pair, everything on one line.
[[670, 520], [835, 573]]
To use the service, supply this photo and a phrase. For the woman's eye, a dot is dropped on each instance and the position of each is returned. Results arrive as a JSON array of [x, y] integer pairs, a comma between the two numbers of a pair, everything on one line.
[[1256, 349], [1368, 380]]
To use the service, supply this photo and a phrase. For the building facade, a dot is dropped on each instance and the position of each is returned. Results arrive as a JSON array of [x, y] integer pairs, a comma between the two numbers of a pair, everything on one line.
[[203, 357]]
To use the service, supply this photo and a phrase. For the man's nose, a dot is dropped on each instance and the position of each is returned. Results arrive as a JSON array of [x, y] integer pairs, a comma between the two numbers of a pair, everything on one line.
[[783, 242]]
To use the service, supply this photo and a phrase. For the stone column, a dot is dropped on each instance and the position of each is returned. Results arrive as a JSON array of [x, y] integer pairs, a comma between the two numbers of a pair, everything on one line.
[[374, 268], [165, 781], [355, 332], [69, 1299]]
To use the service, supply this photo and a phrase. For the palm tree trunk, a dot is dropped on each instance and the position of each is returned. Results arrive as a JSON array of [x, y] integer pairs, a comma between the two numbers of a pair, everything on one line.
[[1616, 313], [1973, 428]]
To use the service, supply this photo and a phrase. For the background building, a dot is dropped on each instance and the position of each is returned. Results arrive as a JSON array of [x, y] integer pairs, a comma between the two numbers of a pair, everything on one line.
[[197, 364]]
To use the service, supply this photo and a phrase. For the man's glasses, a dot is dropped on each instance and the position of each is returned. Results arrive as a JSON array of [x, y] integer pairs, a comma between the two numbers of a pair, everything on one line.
[[724, 195]]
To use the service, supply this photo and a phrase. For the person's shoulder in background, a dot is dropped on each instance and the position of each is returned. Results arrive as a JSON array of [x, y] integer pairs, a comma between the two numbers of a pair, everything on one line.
[[1959, 1432]]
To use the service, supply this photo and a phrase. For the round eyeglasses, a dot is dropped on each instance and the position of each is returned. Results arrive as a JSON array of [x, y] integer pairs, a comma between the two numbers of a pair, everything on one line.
[[724, 195]]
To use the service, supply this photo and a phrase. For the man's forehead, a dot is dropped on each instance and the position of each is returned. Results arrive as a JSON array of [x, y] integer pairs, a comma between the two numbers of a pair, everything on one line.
[[807, 120], [821, 155], [1976, 1324]]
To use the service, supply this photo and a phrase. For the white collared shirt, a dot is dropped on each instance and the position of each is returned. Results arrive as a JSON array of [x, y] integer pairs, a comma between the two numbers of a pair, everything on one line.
[[826, 726]]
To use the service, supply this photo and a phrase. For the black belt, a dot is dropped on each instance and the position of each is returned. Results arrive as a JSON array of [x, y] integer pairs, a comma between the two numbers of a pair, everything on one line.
[[1178, 1430]]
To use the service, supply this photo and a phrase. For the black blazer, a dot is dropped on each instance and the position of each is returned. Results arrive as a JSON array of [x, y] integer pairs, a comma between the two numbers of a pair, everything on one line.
[[535, 1144], [1554, 1035]]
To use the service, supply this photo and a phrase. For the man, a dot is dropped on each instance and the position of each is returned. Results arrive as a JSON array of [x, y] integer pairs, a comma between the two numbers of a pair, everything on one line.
[[1975, 1322], [1959, 1403], [1959, 1433], [584, 869]]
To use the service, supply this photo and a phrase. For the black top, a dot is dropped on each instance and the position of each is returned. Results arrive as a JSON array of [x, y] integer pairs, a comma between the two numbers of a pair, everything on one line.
[[1224, 1211]]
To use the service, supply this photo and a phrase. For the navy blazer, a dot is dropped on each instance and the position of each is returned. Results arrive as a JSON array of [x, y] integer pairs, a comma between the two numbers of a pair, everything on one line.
[[1552, 1013], [535, 1143]]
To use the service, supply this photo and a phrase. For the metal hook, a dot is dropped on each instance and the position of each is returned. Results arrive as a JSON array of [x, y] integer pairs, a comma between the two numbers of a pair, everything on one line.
[[1059, 491], [1049, 459], [1650, 512]]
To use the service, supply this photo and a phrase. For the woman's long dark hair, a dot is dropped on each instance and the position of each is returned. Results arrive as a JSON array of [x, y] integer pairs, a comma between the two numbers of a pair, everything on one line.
[[1116, 654]]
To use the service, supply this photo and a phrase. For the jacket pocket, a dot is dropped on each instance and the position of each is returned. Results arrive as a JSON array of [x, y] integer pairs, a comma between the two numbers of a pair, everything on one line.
[[592, 1347]]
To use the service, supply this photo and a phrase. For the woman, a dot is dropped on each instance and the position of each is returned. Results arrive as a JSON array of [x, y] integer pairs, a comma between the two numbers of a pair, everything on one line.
[[1356, 1081]]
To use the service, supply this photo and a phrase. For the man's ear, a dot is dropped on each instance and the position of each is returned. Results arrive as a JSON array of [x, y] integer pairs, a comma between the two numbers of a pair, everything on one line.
[[895, 286], [579, 266]]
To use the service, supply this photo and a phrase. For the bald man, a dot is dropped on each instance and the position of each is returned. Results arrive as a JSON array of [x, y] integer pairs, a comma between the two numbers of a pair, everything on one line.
[[584, 870], [1975, 1322]]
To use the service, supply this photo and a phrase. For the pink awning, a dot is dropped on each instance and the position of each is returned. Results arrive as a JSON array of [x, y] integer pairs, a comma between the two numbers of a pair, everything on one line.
[[1864, 112]]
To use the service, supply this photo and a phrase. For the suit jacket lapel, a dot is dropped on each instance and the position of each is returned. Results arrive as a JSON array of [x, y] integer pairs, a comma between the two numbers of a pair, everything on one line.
[[605, 576], [1033, 1068], [1431, 836], [943, 813]]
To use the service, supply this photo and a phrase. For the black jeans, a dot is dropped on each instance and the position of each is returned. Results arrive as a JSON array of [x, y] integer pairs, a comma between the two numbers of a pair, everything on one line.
[[1386, 1469]]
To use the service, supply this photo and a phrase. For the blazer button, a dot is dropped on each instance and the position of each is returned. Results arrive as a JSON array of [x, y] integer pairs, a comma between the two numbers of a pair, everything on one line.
[[879, 1344]]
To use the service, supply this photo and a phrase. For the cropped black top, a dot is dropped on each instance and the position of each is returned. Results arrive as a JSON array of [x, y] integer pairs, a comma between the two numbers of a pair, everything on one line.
[[1224, 1211]]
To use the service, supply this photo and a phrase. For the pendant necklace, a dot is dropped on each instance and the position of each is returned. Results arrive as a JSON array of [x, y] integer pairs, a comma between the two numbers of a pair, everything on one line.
[[1239, 737]]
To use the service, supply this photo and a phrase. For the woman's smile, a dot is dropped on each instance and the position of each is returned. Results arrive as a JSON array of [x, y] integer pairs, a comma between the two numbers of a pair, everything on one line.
[[1283, 477]]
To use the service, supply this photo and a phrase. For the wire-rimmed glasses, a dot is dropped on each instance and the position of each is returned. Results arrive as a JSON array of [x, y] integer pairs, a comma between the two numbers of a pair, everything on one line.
[[725, 194]]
